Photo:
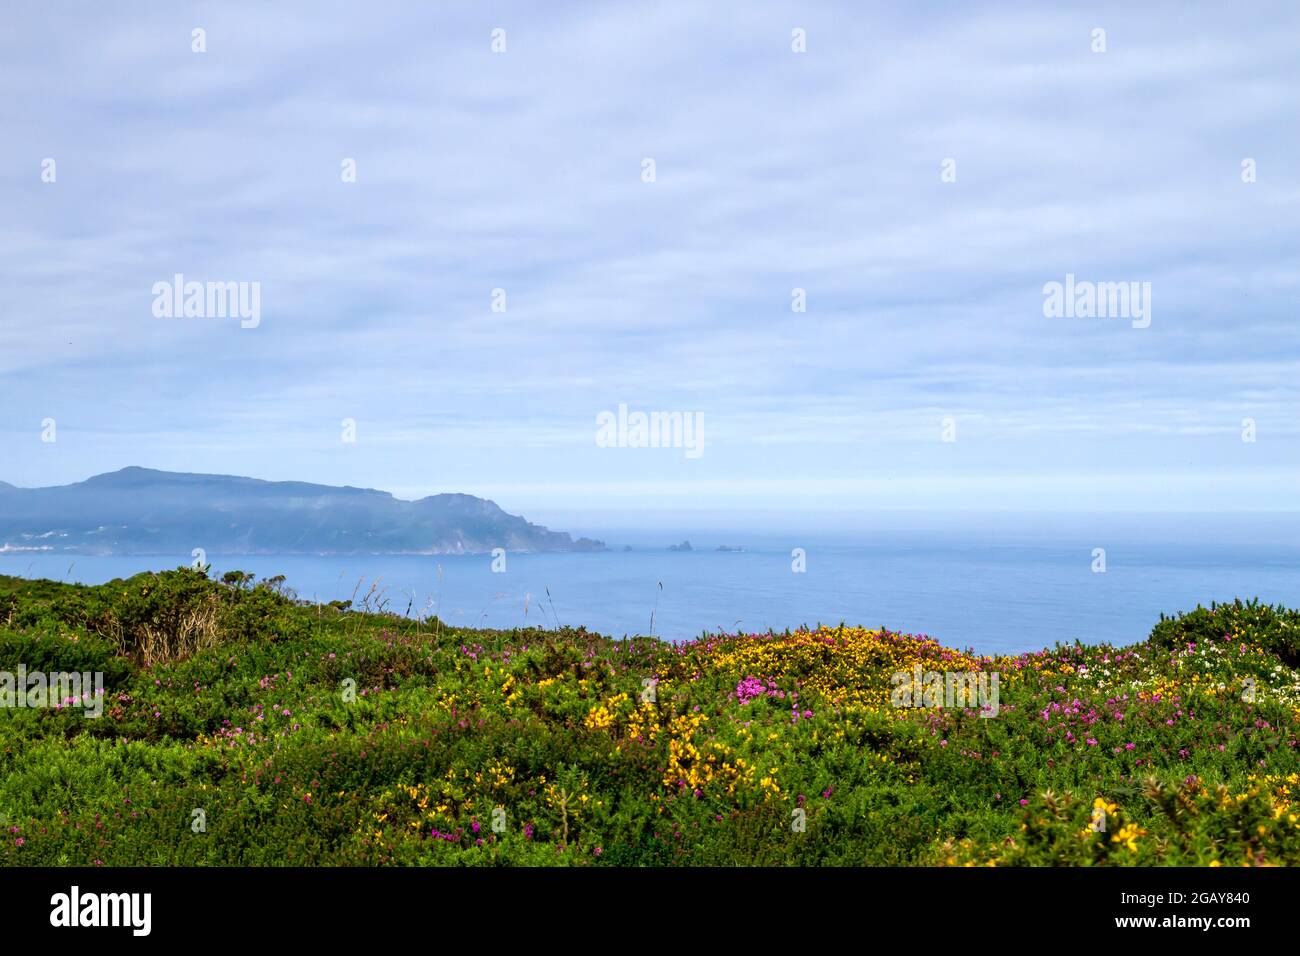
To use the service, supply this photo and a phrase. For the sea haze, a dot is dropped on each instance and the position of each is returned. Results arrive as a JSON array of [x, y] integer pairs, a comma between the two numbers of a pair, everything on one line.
[[995, 583]]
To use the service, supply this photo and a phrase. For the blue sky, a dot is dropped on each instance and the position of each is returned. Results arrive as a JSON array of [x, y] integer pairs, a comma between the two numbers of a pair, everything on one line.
[[774, 169]]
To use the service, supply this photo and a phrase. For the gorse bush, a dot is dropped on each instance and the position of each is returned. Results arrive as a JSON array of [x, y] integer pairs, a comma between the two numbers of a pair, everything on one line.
[[1275, 629], [169, 618], [243, 728], [158, 618], [53, 651], [1195, 825]]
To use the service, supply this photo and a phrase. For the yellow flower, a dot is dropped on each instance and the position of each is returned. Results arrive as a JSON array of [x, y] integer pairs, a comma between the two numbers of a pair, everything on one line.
[[1128, 836]]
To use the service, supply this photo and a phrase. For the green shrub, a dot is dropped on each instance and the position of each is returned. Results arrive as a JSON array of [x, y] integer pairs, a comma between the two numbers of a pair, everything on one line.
[[40, 649], [1275, 629], [327, 736]]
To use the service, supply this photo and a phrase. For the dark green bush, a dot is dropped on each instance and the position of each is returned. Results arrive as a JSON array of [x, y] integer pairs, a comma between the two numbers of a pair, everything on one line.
[[323, 736], [1274, 629], [50, 651]]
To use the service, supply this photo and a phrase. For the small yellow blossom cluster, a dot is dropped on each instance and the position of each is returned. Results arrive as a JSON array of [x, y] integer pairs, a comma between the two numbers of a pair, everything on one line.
[[1281, 789], [1127, 836], [768, 785], [498, 774], [1102, 812], [405, 804], [602, 716]]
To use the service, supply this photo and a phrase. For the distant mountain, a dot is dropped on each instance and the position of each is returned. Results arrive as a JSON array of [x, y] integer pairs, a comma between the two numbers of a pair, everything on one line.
[[141, 511]]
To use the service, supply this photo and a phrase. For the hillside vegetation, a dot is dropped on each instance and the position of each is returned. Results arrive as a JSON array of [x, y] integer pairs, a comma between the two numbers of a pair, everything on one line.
[[242, 728]]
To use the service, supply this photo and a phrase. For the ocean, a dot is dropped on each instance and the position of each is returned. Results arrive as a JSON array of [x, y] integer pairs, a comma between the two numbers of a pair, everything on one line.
[[991, 584]]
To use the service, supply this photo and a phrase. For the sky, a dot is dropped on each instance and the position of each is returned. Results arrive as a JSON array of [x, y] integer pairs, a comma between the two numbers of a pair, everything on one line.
[[921, 171]]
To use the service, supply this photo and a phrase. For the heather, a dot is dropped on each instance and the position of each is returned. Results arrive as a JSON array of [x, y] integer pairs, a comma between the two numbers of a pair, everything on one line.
[[241, 727]]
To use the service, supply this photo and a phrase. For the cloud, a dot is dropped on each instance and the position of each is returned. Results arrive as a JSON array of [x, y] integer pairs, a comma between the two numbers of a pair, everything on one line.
[[775, 170]]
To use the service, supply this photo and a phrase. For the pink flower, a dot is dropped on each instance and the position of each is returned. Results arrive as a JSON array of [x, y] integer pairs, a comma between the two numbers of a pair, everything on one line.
[[1130, 746]]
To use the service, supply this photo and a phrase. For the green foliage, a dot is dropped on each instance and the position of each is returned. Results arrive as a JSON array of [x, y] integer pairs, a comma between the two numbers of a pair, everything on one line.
[[1275, 629], [319, 735]]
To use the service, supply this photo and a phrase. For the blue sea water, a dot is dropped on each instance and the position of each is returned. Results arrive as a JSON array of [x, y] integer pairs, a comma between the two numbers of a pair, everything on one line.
[[996, 586]]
